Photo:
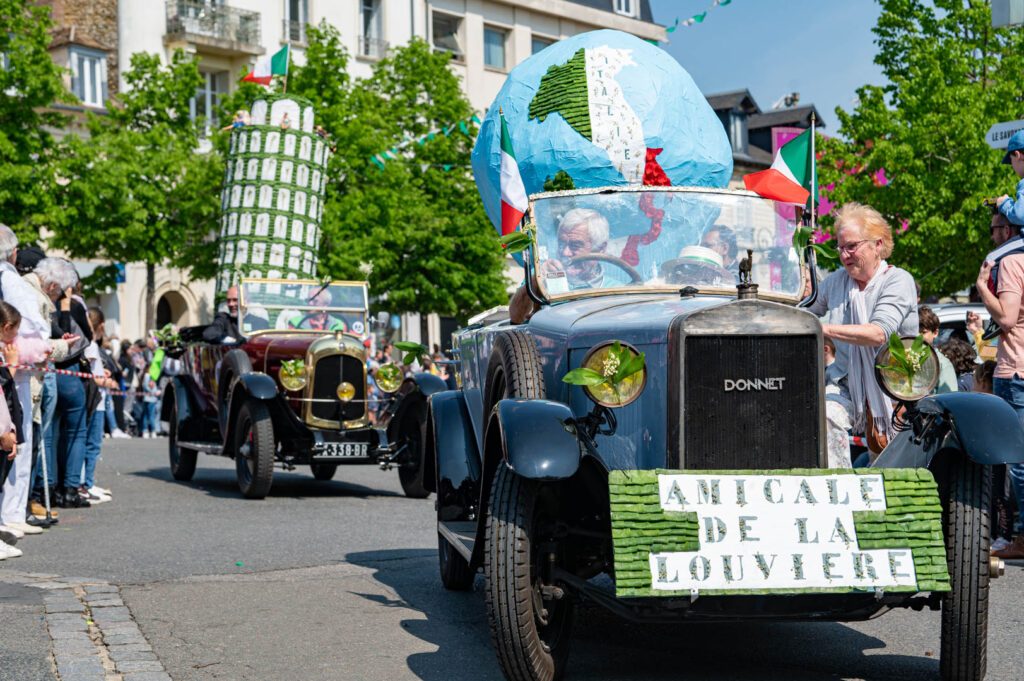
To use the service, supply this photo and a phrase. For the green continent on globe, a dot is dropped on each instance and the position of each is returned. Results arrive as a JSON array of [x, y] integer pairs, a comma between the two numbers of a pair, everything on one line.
[[563, 90]]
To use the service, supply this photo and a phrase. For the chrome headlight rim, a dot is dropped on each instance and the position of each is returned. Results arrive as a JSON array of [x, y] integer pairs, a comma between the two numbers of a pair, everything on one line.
[[887, 380], [293, 382], [589, 390], [385, 386]]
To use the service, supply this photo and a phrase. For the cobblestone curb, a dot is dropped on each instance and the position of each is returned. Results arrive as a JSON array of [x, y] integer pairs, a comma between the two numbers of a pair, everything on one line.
[[92, 634]]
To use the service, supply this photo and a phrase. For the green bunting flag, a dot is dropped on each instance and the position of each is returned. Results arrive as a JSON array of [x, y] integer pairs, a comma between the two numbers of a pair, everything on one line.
[[393, 154], [696, 18]]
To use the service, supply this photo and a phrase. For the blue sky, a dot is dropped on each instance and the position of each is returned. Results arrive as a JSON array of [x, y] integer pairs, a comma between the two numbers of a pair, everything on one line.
[[822, 49]]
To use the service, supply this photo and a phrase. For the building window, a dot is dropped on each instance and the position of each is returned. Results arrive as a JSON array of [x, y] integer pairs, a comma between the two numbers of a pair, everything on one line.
[[626, 7], [203, 107], [494, 47], [371, 42], [738, 131], [296, 17], [444, 31], [538, 43], [88, 75]]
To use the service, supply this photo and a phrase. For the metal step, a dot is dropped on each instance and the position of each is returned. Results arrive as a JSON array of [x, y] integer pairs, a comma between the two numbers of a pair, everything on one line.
[[205, 447], [461, 534]]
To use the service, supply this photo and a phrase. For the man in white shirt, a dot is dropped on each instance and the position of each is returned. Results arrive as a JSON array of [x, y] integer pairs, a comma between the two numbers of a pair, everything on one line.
[[33, 330]]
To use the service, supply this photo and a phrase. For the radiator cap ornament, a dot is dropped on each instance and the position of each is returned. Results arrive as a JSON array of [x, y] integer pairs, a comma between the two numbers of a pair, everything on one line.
[[746, 289]]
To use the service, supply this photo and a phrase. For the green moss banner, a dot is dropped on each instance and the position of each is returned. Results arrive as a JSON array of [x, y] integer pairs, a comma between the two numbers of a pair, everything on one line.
[[775, 532]]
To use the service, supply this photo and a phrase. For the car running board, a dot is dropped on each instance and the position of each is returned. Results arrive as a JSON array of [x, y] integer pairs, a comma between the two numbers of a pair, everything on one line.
[[461, 534], [204, 447]]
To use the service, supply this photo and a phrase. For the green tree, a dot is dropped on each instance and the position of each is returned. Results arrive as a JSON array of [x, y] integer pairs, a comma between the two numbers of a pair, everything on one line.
[[29, 83], [421, 226], [951, 76], [136, 190]]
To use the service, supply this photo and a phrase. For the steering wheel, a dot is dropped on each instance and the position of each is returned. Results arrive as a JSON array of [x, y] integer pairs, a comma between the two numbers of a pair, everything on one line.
[[634, 275]]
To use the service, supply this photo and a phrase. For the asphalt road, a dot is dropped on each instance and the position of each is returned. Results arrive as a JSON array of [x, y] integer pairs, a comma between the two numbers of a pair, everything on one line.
[[338, 580]]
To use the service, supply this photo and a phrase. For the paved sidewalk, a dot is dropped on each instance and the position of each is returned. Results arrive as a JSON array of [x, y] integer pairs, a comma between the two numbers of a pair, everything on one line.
[[75, 629]]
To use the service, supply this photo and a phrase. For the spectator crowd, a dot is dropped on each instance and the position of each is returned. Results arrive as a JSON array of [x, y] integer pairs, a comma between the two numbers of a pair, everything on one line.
[[66, 385]]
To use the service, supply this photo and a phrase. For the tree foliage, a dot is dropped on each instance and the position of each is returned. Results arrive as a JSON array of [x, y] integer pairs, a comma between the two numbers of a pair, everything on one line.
[[421, 227], [135, 190], [951, 76], [30, 83]]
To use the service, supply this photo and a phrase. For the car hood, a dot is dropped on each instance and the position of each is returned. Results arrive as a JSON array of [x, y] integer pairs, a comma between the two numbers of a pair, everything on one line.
[[639, 320]]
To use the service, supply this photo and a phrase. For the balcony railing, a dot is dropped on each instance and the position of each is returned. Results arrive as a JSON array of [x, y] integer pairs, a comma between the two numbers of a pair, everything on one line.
[[374, 48], [295, 31], [194, 18]]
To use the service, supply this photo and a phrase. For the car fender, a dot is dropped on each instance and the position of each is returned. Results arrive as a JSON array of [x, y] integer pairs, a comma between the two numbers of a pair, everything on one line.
[[538, 440], [181, 394], [452, 455], [535, 439], [417, 387], [253, 385], [984, 426]]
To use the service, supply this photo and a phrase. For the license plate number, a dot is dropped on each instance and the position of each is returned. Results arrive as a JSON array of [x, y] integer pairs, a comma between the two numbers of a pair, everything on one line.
[[342, 450]]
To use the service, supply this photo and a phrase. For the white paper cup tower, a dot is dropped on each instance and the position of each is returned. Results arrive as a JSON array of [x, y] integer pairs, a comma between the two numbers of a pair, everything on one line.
[[273, 198]]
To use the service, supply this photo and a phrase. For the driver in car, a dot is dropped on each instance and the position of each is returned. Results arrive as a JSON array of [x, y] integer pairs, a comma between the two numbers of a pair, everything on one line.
[[581, 232], [319, 320], [224, 328]]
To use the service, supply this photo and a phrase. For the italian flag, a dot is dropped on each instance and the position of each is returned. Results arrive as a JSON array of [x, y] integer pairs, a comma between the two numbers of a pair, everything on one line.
[[789, 178], [268, 67], [513, 192]]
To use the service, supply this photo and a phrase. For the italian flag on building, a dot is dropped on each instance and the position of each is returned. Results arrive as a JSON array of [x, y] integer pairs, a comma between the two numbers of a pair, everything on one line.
[[789, 178], [268, 67], [513, 192]]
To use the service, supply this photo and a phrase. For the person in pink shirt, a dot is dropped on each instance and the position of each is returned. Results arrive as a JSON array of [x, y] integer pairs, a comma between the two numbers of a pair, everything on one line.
[[1008, 381]]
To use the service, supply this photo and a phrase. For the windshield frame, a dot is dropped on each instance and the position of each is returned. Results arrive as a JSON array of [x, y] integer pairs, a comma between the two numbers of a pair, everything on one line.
[[537, 285], [364, 310]]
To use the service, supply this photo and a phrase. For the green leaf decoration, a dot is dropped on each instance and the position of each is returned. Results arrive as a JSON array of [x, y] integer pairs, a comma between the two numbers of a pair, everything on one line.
[[629, 367], [583, 376], [516, 242], [828, 256], [293, 367], [412, 350]]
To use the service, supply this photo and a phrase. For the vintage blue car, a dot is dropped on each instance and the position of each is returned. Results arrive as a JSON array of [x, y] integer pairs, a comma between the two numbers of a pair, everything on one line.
[[696, 488]]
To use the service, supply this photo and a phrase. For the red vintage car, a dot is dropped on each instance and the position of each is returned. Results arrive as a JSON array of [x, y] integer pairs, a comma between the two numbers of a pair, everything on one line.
[[291, 391]]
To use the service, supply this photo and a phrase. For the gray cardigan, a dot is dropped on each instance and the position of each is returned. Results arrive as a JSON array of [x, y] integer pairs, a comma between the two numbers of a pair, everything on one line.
[[893, 307]]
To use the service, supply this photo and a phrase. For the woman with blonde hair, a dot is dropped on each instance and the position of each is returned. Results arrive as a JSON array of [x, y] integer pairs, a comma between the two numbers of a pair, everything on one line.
[[861, 305]]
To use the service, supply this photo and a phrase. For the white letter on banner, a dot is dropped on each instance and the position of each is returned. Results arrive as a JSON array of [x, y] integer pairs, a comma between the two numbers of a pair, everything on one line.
[[745, 528], [706, 494], [675, 493], [714, 529], [705, 565], [769, 496], [805, 492], [763, 565], [801, 528], [841, 531], [833, 493], [663, 571], [867, 491]]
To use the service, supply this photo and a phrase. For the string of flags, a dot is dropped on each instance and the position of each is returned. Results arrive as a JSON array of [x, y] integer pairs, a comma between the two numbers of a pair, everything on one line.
[[697, 18], [392, 154]]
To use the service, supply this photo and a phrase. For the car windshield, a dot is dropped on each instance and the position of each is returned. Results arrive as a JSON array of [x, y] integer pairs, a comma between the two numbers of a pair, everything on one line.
[[268, 304], [662, 238]]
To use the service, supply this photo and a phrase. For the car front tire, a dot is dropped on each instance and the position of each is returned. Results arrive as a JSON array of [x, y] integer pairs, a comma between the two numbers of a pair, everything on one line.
[[530, 628], [965, 609], [254, 450], [324, 471], [410, 466], [183, 461]]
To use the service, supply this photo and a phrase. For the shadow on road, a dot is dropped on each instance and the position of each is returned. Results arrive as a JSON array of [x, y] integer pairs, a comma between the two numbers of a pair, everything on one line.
[[606, 647], [221, 483]]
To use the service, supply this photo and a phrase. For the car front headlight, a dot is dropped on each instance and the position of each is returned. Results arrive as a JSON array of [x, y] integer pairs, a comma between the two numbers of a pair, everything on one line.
[[292, 375], [389, 378], [345, 391], [606, 360], [910, 377]]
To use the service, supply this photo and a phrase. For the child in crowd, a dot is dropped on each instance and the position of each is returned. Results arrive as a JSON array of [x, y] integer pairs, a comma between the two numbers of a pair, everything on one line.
[[962, 356], [983, 376], [150, 394], [10, 415]]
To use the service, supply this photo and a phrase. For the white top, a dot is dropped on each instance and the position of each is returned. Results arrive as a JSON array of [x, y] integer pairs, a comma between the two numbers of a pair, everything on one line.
[[92, 353]]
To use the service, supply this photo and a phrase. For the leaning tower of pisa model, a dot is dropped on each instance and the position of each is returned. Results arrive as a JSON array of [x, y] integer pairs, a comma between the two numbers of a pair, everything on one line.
[[273, 196]]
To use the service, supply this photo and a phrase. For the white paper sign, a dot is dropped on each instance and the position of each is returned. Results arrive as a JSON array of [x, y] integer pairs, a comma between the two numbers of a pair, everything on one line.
[[777, 532]]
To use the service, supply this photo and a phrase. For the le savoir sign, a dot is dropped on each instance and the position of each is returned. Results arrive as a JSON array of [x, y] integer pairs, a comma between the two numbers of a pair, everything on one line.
[[774, 532]]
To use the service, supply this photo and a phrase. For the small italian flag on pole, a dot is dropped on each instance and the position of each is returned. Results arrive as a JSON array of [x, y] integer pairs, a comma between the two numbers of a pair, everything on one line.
[[789, 178], [268, 67], [513, 193]]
